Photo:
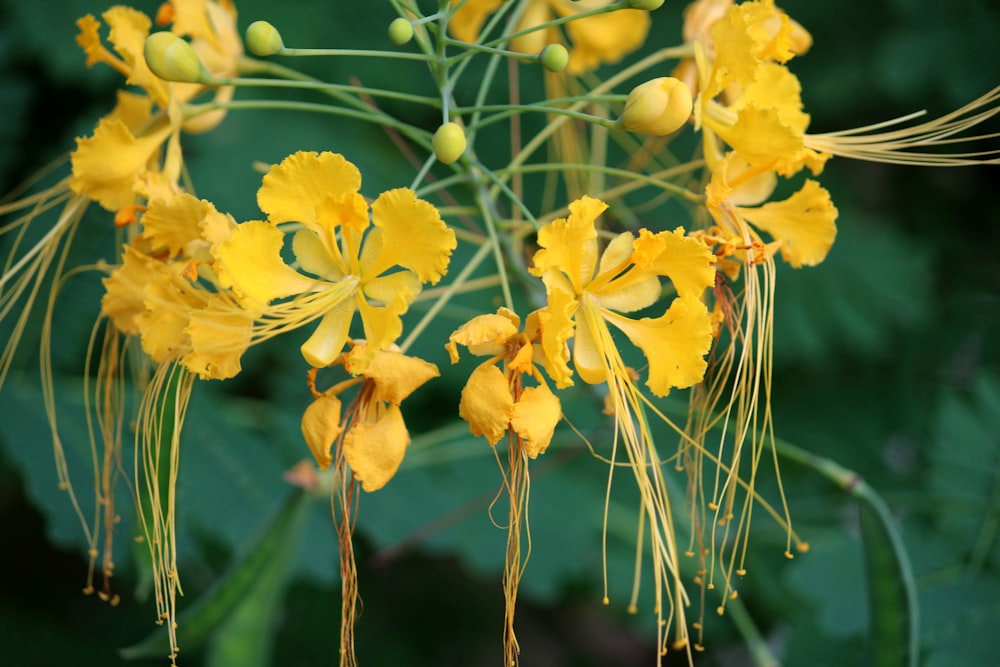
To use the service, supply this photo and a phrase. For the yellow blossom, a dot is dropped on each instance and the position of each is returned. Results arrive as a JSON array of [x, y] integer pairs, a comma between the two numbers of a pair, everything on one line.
[[374, 266]]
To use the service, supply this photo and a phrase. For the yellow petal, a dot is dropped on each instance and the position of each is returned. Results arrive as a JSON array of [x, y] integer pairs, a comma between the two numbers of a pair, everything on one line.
[[327, 341], [401, 286], [172, 225], [590, 346], [687, 261], [675, 344], [382, 324], [292, 190], [218, 339], [411, 234], [123, 289], [484, 334], [805, 223], [167, 313], [776, 87], [129, 29], [321, 426], [536, 414], [605, 38], [487, 403], [395, 375], [570, 244], [249, 262], [556, 321], [107, 165], [466, 22], [762, 138], [374, 450]]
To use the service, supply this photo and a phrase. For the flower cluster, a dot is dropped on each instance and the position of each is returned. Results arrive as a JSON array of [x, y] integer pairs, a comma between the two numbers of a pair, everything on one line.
[[635, 300]]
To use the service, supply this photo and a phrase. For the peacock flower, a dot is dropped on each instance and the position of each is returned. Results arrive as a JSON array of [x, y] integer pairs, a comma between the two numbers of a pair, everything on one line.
[[353, 258], [595, 40], [495, 401], [374, 435], [587, 293]]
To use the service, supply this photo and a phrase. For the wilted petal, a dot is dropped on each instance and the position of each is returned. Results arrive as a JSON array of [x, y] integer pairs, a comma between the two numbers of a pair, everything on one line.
[[218, 339], [321, 426], [374, 450], [675, 344], [394, 374], [484, 335], [536, 414], [487, 403], [172, 224], [167, 313]]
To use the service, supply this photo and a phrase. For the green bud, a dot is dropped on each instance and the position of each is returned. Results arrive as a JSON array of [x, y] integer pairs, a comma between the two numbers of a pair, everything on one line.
[[449, 142], [172, 59], [400, 31], [263, 39], [648, 5], [554, 57]]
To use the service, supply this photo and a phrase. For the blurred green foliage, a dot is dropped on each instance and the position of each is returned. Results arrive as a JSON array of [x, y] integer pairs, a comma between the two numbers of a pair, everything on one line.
[[886, 358]]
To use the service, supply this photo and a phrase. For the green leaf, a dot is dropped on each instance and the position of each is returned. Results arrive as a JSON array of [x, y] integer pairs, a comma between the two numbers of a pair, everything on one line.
[[238, 612]]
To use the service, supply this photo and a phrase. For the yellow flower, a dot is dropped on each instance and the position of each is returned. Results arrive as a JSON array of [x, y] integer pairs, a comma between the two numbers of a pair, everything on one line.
[[603, 38], [494, 401], [372, 266], [374, 434], [589, 294]]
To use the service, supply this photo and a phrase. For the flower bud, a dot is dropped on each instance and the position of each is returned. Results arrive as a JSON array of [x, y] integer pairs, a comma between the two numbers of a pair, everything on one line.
[[263, 39], [449, 142], [658, 107], [400, 31], [172, 59], [648, 5], [554, 57]]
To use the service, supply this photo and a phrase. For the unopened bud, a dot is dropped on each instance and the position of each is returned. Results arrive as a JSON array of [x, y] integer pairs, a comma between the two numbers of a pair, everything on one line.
[[658, 107], [648, 5], [400, 31], [554, 57], [172, 59], [263, 39], [449, 143]]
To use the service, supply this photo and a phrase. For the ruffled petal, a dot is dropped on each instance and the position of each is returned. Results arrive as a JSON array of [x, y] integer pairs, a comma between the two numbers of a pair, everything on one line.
[[129, 29], [374, 450], [484, 335], [412, 236], [218, 337], [394, 374], [172, 225], [166, 316], [321, 426], [123, 289], [570, 244], [687, 261], [675, 344], [557, 325], [487, 403], [250, 263], [291, 190], [805, 223], [536, 414]]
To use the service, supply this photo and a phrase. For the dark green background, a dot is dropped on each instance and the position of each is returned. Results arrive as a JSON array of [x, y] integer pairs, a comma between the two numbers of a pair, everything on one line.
[[886, 361]]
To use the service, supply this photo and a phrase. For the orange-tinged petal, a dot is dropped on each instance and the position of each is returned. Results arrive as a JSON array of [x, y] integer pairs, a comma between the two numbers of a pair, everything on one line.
[[327, 341], [374, 450], [805, 223], [484, 335], [106, 166], [321, 426], [291, 190], [687, 261], [570, 244], [218, 340], [394, 374], [250, 262], [536, 414], [411, 234], [487, 403], [675, 344]]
